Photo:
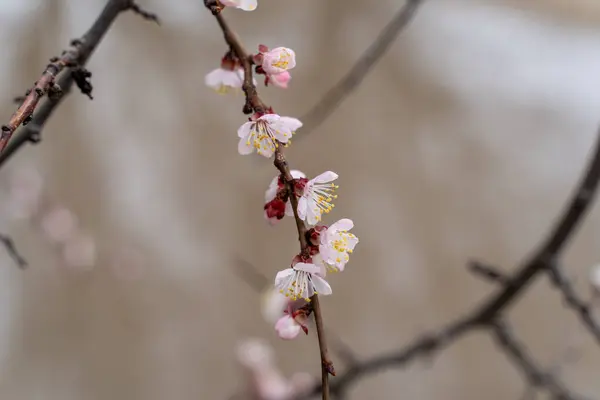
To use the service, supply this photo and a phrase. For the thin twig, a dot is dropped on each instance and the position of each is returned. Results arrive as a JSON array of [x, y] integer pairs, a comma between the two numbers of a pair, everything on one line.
[[255, 104], [9, 244], [74, 58], [334, 97], [488, 272], [574, 301], [536, 376]]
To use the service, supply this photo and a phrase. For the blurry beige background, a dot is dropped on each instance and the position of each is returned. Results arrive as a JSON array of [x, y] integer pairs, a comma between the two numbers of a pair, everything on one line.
[[463, 142]]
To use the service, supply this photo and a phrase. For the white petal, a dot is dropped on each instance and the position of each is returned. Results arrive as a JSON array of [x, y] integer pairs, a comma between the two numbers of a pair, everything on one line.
[[270, 118], [214, 79], [268, 152], [306, 267], [245, 148], [312, 216], [290, 123], [321, 285], [233, 79], [352, 242], [302, 206], [244, 130], [318, 261], [248, 5], [272, 190], [343, 224], [282, 275], [325, 177], [297, 174]]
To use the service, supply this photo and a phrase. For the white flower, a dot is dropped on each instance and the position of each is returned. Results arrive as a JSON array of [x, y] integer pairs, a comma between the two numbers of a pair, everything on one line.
[[301, 282], [274, 187], [224, 80], [264, 134], [317, 197], [246, 5], [336, 244]]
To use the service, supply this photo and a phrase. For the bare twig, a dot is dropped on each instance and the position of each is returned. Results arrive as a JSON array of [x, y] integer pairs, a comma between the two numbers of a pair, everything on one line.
[[255, 104], [574, 301], [334, 97], [9, 244], [74, 58], [487, 272]]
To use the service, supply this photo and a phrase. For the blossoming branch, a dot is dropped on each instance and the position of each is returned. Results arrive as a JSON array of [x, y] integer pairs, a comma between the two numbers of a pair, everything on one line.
[[322, 248]]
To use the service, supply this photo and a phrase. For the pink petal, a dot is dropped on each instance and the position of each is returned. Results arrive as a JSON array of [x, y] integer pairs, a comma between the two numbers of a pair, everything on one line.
[[287, 328]]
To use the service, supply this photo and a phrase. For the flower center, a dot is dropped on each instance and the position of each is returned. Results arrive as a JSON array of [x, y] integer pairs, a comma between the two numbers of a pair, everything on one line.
[[282, 61], [261, 137], [322, 194]]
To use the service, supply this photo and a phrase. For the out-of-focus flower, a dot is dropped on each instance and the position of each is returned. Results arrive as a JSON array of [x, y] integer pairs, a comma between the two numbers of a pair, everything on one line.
[[317, 197], [59, 224], [265, 133], [301, 281], [79, 251], [246, 5], [24, 193], [336, 244], [128, 264], [267, 382]]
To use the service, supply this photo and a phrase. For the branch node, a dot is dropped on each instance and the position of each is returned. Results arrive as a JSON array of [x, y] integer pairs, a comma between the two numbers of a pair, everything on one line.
[[82, 76]]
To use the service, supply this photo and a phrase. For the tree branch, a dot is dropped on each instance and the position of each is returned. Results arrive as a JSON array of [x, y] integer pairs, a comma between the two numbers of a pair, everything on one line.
[[75, 58], [255, 104], [345, 86]]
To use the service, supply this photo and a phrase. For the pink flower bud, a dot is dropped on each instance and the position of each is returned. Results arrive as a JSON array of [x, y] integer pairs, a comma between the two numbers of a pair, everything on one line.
[[280, 80], [287, 328], [274, 210], [278, 60]]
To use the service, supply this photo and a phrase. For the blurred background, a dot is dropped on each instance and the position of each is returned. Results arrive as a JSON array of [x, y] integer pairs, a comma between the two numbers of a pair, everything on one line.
[[463, 142]]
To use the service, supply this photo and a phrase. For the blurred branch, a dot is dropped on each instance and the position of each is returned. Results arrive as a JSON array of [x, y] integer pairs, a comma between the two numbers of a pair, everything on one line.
[[534, 374], [487, 272], [491, 311], [336, 95], [74, 59], [574, 301], [12, 251]]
